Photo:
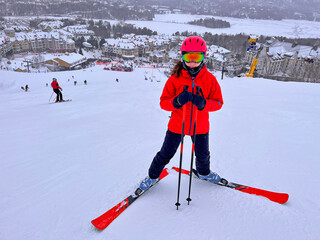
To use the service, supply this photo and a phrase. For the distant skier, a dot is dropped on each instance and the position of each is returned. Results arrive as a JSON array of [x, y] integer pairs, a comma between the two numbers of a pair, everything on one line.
[[190, 71], [75, 83], [26, 88], [117, 80], [85, 82], [57, 89]]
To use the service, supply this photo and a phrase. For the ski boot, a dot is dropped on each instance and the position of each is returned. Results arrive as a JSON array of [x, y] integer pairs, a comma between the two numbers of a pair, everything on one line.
[[147, 183], [212, 177]]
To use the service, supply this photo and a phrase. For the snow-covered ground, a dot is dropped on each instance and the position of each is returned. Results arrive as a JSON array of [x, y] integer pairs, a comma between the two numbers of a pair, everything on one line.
[[171, 23], [64, 164]]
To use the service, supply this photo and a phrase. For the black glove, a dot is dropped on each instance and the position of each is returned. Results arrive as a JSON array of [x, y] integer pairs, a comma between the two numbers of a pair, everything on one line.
[[199, 101], [182, 99]]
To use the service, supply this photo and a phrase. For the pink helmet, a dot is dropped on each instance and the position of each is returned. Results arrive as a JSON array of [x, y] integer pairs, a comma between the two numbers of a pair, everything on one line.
[[194, 44]]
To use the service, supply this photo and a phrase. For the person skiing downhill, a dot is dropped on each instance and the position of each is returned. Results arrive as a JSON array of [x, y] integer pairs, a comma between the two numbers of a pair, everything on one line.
[[192, 72], [57, 89]]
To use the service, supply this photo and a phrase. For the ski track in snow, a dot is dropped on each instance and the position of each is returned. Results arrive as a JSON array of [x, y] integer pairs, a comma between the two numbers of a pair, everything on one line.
[[65, 164]]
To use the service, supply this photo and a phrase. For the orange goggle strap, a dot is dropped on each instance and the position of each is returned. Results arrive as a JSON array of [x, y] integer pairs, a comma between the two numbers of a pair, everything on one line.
[[193, 56]]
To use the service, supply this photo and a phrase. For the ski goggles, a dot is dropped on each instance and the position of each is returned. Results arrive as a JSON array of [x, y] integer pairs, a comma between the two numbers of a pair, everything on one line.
[[193, 56]]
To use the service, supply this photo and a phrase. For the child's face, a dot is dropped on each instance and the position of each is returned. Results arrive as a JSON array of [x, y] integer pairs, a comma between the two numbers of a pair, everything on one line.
[[192, 64]]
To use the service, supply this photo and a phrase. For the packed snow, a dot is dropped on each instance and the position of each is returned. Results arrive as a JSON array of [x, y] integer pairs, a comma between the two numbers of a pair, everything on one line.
[[64, 164]]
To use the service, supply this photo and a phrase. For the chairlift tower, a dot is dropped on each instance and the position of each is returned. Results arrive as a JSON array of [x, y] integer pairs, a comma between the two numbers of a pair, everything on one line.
[[29, 62]]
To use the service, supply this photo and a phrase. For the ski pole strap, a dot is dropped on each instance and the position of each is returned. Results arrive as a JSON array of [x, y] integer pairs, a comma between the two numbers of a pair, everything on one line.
[[199, 90], [185, 89]]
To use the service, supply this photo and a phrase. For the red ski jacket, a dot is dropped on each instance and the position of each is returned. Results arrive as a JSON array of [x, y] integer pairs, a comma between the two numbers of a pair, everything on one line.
[[211, 91], [55, 85]]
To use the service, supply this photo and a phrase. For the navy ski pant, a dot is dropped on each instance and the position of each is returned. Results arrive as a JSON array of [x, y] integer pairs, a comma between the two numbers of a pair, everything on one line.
[[59, 94], [169, 148]]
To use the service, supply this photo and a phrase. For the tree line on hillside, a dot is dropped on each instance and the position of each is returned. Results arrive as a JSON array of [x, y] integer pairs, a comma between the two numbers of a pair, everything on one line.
[[106, 30], [211, 23], [101, 29], [88, 9]]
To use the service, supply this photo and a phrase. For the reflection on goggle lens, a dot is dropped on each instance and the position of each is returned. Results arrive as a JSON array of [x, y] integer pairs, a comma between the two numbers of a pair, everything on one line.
[[193, 56]]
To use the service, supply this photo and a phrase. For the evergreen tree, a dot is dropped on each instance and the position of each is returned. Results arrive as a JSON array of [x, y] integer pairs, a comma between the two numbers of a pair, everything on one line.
[[102, 41]]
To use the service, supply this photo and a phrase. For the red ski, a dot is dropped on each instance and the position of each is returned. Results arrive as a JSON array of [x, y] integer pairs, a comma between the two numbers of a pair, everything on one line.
[[273, 196], [105, 219]]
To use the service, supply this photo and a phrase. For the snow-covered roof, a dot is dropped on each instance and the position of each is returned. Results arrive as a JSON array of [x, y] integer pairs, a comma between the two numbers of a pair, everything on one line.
[[87, 45], [51, 24], [111, 41], [9, 29], [18, 28], [217, 49], [31, 36], [72, 58], [126, 45], [287, 49], [128, 56], [79, 30], [218, 57], [70, 41]]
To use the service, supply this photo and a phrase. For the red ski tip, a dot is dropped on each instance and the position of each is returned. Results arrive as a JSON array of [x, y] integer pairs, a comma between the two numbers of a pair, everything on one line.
[[183, 171], [105, 219], [164, 173], [272, 196]]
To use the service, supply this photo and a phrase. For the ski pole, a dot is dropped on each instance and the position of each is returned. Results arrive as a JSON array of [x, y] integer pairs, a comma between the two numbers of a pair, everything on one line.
[[193, 146], [50, 96], [185, 89]]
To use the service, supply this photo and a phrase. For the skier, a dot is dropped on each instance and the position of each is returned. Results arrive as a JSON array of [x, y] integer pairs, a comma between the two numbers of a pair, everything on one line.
[[26, 88], [57, 89], [190, 71]]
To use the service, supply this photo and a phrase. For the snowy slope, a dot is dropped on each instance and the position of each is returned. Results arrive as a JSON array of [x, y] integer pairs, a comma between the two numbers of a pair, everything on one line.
[[65, 164]]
